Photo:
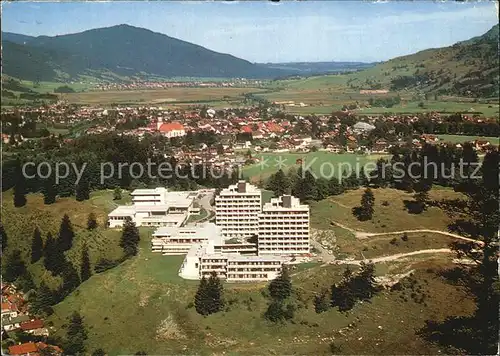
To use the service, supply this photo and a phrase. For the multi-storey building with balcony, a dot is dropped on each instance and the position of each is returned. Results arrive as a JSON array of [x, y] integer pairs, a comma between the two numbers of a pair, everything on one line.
[[284, 227], [237, 210], [178, 240], [202, 260]]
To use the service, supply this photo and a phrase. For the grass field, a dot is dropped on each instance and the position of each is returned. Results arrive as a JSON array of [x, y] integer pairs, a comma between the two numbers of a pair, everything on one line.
[[166, 96], [321, 163], [48, 87], [393, 217], [326, 93], [143, 305]]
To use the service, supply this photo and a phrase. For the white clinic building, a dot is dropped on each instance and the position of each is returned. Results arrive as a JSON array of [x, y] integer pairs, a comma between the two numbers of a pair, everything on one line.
[[179, 240], [202, 260], [156, 207], [237, 210], [284, 227]]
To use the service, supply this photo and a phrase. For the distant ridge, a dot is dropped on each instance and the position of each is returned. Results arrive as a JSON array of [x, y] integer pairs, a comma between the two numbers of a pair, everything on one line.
[[468, 68], [123, 50]]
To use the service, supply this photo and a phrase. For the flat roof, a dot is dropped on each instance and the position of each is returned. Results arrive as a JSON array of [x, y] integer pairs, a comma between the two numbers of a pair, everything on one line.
[[209, 230], [158, 207], [154, 191], [123, 210]]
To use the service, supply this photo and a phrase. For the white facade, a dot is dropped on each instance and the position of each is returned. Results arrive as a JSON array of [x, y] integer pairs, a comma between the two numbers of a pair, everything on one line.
[[202, 260], [179, 240], [237, 210], [284, 227], [155, 207]]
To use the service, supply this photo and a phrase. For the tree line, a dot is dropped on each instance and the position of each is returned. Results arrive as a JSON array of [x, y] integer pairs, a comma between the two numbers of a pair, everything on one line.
[[52, 254], [412, 170], [93, 150]]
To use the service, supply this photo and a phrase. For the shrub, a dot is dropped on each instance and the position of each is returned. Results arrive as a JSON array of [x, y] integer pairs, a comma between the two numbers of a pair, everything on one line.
[[335, 349], [104, 264]]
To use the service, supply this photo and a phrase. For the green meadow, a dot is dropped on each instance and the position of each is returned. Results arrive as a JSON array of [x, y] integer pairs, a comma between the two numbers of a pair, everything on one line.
[[321, 163]]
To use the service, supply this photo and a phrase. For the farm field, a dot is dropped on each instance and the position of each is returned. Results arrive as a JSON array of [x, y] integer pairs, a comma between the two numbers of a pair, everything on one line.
[[321, 100], [48, 87], [166, 96], [321, 163], [443, 107]]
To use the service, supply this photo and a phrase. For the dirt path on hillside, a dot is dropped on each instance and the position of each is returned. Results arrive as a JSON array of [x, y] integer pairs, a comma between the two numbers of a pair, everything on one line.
[[364, 235], [340, 204], [391, 257]]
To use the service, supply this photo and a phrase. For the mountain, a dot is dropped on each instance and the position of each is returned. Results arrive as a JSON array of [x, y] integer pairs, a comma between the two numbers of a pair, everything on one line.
[[16, 38], [123, 50], [468, 68]]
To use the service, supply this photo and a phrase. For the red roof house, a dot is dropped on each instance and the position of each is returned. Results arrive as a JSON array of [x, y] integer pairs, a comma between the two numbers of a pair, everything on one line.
[[28, 348]]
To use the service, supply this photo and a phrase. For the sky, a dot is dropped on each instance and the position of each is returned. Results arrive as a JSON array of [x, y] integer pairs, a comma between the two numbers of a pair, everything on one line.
[[261, 31]]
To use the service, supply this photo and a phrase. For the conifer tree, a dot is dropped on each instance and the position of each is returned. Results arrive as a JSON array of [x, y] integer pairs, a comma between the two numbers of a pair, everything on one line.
[[363, 284], [280, 288], [66, 233], [3, 236], [76, 335], [483, 217], [85, 270], [342, 294], [53, 255], [49, 191], [36, 246], [43, 301], [306, 189], [91, 222], [25, 282], [20, 186], [365, 211], [130, 238], [201, 298], [278, 183], [71, 280], [82, 190], [117, 193], [321, 302], [215, 294], [274, 311], [14, 266]]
